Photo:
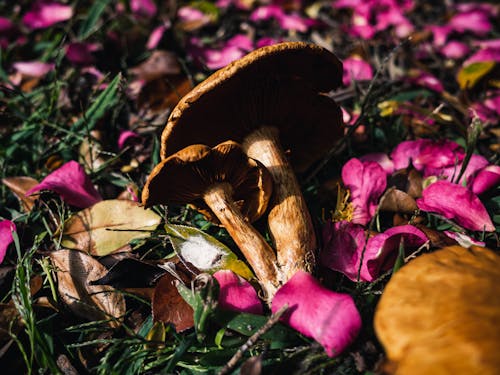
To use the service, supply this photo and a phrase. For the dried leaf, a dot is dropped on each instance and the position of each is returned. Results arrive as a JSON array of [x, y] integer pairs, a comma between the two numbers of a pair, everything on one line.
[[20, 185], [205, 252], [439, 313], [108, 226], [10, 321], [252, 366], [75, 270], [163, 93], [169, 307], [469, 75], [160, 63], [395, 200]]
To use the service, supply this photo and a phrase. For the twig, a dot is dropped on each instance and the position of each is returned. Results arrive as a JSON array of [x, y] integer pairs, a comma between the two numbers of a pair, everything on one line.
[[252, 339]]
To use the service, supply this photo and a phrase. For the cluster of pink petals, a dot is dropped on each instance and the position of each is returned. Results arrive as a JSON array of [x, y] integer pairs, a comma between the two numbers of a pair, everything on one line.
[[366, 181], [356, 69], [488, 110], [286, 21], [372, 16], [45, 13], [330, 318], [348, 251], [456, 203], [6, 229], [72, 184], [143, 8], [237, 294]]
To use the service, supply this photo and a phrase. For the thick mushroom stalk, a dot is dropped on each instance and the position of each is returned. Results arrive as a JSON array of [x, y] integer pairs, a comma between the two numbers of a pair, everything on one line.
[[289, 220], [225, 183]]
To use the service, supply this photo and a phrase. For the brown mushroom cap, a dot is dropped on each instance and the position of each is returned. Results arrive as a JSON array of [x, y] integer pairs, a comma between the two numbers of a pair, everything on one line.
[[185, 176], [278, 85], [440, 314]]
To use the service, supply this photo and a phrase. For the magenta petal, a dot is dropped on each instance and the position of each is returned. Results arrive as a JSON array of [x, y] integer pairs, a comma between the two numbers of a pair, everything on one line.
[[156, 35], [6, 229], [33, 68], [356, 69], [486, 179], [240, 41], [486, 54], [456, 203], [216, 59], [125, 137], [455, 50], [46, 13], [145, 8], [476, 163], [330, 318], [382, 159], [382, 250], [73, 185], [237, 294], [343, 246], [475, 21], [266, 12], [427, 80], [366, 181], [81, 53], [463, 239]]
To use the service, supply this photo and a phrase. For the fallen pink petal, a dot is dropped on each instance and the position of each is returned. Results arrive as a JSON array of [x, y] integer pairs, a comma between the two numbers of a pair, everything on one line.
[[427, 80], [237, 294], [156, 36], [35, 69], [475, 21], [127, 137], [475, 164], [6, 229], [356, 69], [463, 239], [366, 182], [485, 179], [143, 8], [46, 13], [455, 50], [330, 318], [382, 159], [461, 205], [81, 53], [72, 184]]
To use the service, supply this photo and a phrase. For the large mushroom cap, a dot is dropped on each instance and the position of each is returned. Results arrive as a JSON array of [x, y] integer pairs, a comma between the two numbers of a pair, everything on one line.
[[279, 85], [440, 314], [185, 176]]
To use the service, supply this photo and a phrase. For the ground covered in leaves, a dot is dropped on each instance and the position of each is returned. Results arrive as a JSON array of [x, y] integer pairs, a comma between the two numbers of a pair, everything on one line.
[[91, 282]]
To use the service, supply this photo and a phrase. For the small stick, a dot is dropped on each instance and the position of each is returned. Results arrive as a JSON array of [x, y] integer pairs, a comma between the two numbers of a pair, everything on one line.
[[252, 339]]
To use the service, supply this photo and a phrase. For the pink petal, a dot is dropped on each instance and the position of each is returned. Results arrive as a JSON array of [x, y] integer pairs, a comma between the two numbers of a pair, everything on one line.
[[266, 12], [455, 50], [382, 250], [486, 179], [366, 182], [266, 41], [463, 239], [125, 137], [191, 14], [156, 35], [33, 68], [456, 203], [237, 294], [46, 13], [344, 242], [294, 22], [427, 80], [144, 8], [491, 43], [483, 55], [81, 53], [240, 41], [440, 34], [73, 185], [6, 229], [475, 21], [328, 317], [215, 59], [356, 69], [382, 159], [476, 163]]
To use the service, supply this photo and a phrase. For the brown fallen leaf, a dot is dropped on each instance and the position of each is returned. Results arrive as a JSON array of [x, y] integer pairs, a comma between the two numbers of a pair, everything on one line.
[[437, 238], [75, 270], [159, 64], [168, 306], [19, 186], [163, 93], [10, 321], [395, 200], [108, 226], [439, 314]]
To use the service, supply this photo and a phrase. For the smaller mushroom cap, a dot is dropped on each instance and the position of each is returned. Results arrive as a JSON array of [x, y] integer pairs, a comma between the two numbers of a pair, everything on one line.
[[185, 176], [440, 314]]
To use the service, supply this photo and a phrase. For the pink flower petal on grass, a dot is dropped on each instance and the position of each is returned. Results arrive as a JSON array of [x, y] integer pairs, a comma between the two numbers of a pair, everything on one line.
[[356, 69], [486, 179], [127, 136], [6, 229], [456, 203], [366, 181], [463, 239], [483, 55], [73, 185], [427, 80], [33, 68], [237, 294], [143, 8], [81, 53], [455, 49], [46, 13], [156, 35], [475, 21], [382, 159], [330, 318], [476, 163]]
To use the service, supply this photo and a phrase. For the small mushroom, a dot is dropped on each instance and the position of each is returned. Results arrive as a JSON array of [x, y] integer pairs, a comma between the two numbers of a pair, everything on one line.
[[235, 188], [439, 314], [272, 102]]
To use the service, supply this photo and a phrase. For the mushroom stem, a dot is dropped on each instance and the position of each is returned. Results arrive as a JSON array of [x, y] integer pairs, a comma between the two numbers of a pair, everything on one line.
[[289, 220], [260, 256]]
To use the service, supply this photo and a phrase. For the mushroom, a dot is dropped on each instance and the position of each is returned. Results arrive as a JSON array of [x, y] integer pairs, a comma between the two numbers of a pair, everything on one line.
[[232, 186], [439, 314], [272, 102]]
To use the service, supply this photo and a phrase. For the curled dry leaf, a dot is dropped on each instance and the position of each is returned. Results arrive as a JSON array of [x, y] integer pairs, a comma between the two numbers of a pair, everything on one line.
[[395, 200], [108, 226], [75, 270], [159, 64], [439, 314], [20, 185]]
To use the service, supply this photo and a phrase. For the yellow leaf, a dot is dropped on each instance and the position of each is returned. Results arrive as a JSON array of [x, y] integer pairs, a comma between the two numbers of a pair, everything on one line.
[[108, 226], [205, 252], [469, 75]]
